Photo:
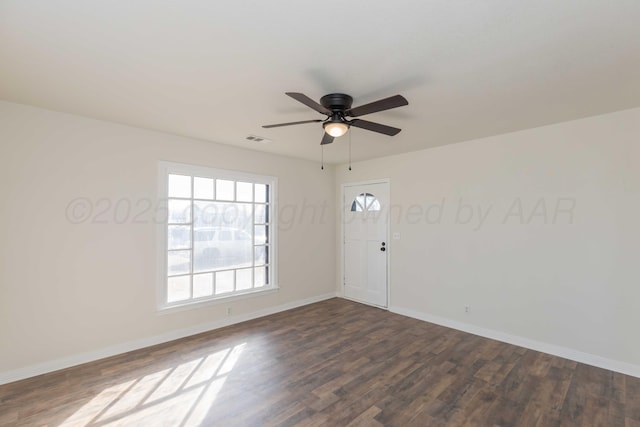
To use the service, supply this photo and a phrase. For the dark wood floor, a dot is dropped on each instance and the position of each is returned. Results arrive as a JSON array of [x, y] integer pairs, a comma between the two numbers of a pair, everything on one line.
[[333, 363]]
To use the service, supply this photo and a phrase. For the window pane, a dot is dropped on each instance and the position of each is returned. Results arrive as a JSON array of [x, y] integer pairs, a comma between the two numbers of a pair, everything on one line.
[[178, 262], [261, 214], [368, 199], [260, 234], [179, 211], [244, 192], [206, 252], [360, 204], [261, 255], [224, 189], [179, 236], [205, 258], [220, 237], [224, 282], [262, 195], [204, 234], [259, 276], [220, 214], [238, 216], [202, 188], [241, 245], [372, 203], [202, 285], [243, 279], [207, 214], [179, 186], [178, 289]]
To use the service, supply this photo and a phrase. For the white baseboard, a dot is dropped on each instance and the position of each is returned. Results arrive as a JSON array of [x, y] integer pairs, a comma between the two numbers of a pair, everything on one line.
[[78, 359], [555, 350]]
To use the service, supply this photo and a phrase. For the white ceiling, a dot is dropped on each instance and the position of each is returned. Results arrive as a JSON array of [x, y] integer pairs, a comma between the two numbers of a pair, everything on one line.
[[217, 70]]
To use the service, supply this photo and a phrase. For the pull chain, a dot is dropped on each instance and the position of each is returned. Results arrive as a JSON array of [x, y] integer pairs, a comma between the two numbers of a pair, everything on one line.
[[322, 157], [349, 149]]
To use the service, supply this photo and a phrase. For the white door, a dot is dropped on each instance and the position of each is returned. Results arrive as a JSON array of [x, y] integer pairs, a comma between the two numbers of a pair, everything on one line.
[[365, 222]]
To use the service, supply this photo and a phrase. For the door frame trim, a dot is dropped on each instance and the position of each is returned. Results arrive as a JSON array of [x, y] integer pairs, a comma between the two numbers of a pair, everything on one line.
[[341, 239]]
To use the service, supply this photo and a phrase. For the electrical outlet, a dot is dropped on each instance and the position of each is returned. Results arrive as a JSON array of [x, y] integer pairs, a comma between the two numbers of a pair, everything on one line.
[[467, 309], [228, 311]]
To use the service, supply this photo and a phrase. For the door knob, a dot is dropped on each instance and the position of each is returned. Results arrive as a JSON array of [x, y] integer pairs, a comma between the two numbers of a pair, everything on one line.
[[383, 249]]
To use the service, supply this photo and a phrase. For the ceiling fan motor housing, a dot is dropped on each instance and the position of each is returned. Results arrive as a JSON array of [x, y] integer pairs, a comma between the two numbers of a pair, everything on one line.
[[336, 102]]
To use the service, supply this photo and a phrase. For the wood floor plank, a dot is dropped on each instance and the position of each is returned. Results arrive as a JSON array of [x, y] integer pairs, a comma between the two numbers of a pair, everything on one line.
[[333, 363], [632, 399], [366, 419], [629, 422]]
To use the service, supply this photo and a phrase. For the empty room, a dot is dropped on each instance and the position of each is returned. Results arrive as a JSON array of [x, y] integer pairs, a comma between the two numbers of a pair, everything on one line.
[[320, 213]]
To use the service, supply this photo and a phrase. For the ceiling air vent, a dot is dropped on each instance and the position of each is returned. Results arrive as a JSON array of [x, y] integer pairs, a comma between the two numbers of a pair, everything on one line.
[[256, 138]]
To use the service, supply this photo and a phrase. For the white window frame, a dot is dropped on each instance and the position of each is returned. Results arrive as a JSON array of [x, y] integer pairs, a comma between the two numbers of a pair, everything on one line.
[[167, 168]]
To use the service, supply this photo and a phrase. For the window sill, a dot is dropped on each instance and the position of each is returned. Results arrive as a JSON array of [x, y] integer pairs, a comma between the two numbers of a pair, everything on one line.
[[192, 305]]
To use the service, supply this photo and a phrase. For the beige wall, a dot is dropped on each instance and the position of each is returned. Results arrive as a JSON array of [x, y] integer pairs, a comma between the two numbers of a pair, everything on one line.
[[562, 283], [69, 290]]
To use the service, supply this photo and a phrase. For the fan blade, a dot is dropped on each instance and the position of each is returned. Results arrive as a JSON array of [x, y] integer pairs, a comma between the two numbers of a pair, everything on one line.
[[375, 127], [326, 139], [292, 123], [381, 105], [301, 97]]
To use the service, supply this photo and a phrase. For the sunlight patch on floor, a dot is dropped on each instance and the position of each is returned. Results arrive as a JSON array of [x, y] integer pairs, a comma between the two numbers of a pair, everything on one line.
[[98, 404], [182, 395], [134, 396], [232, 359], [175, 380], [208, 368]]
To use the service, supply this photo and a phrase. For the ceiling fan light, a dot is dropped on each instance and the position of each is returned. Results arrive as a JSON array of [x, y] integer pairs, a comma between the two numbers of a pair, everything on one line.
[[336, 129]]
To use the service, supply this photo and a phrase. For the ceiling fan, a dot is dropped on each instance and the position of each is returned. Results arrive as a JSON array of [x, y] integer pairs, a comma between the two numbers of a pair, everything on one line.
[[337, 107]]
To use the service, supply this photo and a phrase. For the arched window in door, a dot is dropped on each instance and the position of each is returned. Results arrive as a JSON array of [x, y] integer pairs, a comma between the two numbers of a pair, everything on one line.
[[365, 202]]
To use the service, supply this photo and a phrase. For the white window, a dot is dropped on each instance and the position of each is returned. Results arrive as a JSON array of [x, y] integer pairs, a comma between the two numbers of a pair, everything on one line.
[[218, 240], [365, 202]]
